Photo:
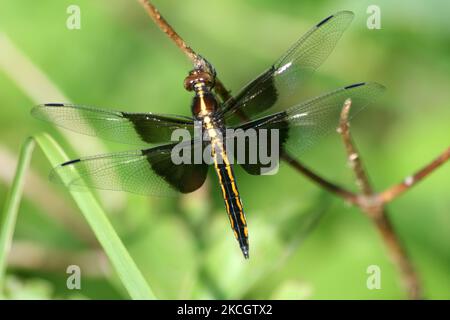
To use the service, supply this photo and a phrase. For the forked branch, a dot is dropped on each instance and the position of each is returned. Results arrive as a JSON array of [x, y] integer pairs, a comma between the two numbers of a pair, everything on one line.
[[374, 207]]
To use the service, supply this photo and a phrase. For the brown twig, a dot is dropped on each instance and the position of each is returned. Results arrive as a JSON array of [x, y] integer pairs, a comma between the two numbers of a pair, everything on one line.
[[394, 191], [368, 201], [397, 252], [362, 179], [167, 29], [327, 185], [176, 38], [376, 210]]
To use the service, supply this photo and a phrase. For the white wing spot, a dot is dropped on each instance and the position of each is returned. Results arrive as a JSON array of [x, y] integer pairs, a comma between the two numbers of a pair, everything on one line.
[[304, 114], [283, 68]]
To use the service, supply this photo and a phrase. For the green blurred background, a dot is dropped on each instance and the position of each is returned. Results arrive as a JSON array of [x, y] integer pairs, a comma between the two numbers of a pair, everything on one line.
[[305, 243]]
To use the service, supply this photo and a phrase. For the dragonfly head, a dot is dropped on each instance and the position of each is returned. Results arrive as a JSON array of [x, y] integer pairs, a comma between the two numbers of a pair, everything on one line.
[[202, 76], [197, 78]]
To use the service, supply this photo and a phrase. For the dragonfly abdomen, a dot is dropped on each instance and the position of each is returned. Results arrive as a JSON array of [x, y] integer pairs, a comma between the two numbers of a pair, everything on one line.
[[231, 197]]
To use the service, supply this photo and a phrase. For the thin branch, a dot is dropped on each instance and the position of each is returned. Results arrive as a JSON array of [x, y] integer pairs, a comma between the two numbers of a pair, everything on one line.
[[181, 44], [354, 160], [394, 191], [376, 211], [397, 253], [331, 187], [167, 29]]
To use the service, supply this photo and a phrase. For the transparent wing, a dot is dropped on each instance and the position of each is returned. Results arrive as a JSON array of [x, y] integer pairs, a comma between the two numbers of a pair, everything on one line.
[[290, 71], [147, 172], [124, 127], [301, 126]]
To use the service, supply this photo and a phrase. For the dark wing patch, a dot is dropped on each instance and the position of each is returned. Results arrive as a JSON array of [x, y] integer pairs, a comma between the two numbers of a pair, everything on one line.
[[290, 71], [146, 172], [184, 178], [300, 127]]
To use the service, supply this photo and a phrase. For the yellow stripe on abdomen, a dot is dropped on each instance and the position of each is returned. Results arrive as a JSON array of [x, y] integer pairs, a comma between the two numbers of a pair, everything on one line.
[[226, 177]]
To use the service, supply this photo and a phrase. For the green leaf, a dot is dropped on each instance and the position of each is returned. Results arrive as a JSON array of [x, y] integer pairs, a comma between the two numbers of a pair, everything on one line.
[[118, 255], [8, 221]]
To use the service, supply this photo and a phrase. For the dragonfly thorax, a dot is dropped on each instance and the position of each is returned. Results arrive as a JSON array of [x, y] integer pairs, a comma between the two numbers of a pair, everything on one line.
[[204, 103]]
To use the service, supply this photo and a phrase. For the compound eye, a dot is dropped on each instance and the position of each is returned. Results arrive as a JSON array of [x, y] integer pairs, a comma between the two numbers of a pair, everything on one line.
[[189, 83], [207, 79]]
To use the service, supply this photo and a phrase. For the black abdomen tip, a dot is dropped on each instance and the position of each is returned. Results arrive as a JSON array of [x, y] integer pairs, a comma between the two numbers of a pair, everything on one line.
[[245, 251]]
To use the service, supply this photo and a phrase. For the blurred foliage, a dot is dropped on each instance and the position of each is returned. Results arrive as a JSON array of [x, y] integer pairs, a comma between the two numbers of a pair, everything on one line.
[[185, 248]]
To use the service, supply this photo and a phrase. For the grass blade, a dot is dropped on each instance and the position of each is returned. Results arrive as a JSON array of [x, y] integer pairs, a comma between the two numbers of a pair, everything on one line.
[[8, 221], [123, 264], [119, 257]]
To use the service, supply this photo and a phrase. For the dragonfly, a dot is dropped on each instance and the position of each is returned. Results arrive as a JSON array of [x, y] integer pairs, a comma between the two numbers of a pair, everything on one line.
[[151, 170]]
